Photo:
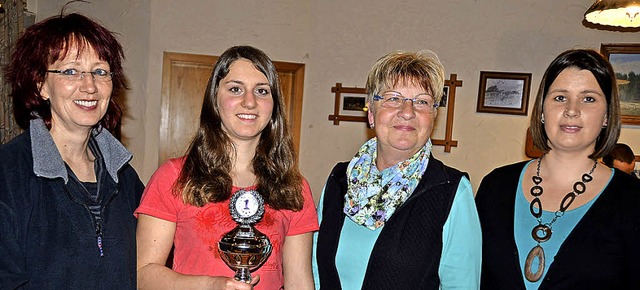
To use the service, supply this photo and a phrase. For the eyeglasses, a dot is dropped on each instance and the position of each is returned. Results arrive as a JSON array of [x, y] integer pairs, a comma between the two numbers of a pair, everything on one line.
[[422, 102], [71, 74]]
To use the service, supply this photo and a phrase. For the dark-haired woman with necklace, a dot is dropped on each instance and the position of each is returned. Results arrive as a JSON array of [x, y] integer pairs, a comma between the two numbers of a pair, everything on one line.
[[564, 220]]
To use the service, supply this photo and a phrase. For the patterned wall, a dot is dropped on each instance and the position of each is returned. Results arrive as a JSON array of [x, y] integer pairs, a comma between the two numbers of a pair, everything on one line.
[[12, 23]]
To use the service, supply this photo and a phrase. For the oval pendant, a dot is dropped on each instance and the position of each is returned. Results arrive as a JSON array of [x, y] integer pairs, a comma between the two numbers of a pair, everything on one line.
[[536, 252]]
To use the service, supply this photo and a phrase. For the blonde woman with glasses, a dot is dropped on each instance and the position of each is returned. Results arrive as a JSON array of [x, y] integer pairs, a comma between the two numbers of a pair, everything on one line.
[[394, 217]]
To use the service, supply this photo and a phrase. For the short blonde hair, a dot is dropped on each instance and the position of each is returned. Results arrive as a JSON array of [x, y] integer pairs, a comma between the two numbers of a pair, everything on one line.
[[421, 68]]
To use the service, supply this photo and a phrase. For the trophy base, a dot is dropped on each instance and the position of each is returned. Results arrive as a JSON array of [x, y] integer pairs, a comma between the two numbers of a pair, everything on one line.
[[243, 275], [244, 249]]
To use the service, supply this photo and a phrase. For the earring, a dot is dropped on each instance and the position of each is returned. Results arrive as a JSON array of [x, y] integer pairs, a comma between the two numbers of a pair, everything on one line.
[[542, 119], [372, 125]]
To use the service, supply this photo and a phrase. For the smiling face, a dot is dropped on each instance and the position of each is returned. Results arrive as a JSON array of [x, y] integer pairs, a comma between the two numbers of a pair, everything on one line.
[[575, 111], [244, 102], [402, 131], [76, 105]]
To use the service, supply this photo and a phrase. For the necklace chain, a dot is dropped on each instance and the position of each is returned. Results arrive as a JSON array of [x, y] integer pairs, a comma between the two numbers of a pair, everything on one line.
[[535, 207], [536, 191]]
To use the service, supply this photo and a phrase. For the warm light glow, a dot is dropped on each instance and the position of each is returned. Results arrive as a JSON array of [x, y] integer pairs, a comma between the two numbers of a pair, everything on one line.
[[623, 13]]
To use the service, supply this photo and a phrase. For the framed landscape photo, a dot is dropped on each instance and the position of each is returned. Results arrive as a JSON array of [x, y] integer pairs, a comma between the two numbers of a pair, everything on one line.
[[625, 60], [504, 92]]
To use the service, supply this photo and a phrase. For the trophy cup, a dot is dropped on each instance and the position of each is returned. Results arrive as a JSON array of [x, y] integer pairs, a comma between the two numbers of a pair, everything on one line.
[[244, 248]]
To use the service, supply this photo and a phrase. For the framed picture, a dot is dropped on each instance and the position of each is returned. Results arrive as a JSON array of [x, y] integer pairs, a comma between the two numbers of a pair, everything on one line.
[[349, 104], [504, 93], [625, 60], [352, 104]]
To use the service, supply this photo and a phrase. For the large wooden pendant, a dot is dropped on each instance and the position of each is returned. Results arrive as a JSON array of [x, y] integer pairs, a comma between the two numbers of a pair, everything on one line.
[[536, 252]]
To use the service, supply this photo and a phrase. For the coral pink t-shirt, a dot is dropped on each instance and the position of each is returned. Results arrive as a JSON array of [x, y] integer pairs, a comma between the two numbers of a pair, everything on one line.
[[198, 229]]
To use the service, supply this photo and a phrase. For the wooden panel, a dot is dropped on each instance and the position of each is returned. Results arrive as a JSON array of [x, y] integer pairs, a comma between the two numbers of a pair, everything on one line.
[[184, 79], [292, 84]]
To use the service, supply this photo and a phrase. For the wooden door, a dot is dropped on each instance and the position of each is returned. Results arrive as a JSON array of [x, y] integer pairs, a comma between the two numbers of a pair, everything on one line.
[[184, 80]]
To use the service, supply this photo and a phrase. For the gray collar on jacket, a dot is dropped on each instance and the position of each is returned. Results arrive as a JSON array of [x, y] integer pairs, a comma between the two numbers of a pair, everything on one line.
[[48, 163]]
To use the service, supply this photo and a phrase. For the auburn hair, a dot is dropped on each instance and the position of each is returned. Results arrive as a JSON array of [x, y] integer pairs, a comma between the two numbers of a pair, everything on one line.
[[49, 40]]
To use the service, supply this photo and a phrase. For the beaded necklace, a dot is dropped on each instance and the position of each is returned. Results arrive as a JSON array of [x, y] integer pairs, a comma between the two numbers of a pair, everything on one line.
[[545, 228]]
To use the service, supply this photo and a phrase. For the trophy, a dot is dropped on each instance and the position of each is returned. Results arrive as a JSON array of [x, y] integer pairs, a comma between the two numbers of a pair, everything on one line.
[[244, 248]]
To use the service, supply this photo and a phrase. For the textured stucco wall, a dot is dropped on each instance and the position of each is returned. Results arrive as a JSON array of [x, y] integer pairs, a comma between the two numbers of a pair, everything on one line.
[[338, 40]]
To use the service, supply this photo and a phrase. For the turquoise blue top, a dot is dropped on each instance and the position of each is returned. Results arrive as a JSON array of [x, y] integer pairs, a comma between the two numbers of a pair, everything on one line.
[[524, 223], [461, 258]]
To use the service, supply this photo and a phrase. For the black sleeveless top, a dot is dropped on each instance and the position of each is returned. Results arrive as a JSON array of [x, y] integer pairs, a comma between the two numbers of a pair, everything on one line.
[[407, 253]]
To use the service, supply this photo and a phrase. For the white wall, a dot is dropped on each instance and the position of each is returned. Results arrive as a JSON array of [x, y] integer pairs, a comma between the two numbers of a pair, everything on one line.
[[339, 40]]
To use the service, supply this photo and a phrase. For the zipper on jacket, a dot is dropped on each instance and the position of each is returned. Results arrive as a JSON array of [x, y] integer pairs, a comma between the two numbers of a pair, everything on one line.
[[98, 222], [99, 237]]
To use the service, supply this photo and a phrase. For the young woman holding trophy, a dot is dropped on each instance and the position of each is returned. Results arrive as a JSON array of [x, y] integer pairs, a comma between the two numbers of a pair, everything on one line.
[[240, 162]]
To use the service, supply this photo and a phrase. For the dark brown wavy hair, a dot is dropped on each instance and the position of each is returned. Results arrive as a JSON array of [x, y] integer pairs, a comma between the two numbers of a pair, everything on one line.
[[205, 176], [44, 43]]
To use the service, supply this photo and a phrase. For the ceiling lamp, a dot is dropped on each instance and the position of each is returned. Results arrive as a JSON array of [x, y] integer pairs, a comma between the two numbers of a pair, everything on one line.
[[623, 13]]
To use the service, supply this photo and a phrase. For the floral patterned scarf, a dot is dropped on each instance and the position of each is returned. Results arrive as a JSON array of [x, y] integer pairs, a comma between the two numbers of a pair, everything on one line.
[[373, 196]]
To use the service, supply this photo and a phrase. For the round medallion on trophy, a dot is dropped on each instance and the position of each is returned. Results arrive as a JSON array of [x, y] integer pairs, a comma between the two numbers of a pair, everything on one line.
[[246, 206]]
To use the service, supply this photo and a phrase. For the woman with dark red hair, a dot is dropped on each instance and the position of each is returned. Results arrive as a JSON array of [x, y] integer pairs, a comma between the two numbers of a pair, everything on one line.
[[67, 191]]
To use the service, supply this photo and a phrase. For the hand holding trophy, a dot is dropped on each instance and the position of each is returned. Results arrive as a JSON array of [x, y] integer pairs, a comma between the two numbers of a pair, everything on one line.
[[244, 248]]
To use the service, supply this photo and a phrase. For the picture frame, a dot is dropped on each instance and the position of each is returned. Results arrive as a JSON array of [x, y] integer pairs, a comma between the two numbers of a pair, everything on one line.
[[504, 92], [349, 103], [353, 104], [625, 60]]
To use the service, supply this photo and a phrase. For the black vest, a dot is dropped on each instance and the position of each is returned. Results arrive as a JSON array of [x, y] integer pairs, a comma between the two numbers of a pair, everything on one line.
[[407, 253]]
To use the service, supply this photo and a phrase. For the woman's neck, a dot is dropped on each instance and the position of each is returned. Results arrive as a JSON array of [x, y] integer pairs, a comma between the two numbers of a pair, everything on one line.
[[74, 149], [73, 146], [242, 171], [566, 164]]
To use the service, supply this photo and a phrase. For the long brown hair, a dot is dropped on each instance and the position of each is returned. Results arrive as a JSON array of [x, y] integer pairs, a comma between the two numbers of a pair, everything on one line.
[[205, 176]]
